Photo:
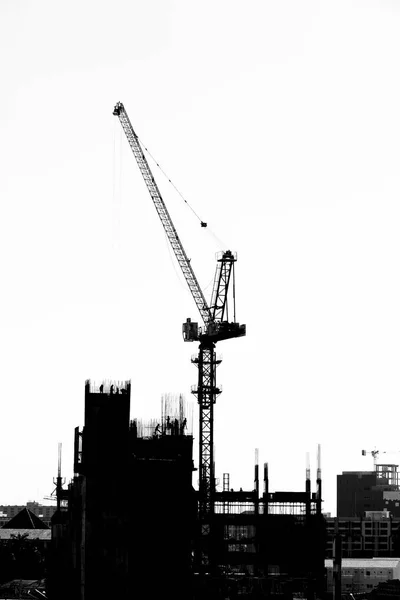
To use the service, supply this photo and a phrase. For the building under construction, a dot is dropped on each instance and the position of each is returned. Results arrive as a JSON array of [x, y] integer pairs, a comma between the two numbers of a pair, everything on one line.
[[133, 526], [128, 525], [363, 491], [269, 544], [368, 514]]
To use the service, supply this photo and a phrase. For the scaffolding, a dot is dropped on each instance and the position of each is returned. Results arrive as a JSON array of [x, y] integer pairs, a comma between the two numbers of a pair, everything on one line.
[[271, 541], [176, 419], [108, 386], [388, 475]]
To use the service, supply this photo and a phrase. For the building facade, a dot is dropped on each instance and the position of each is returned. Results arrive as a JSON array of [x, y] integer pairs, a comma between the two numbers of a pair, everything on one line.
[[44, 512], [361, 491], [363, 575], [377, 534], [127, 527]]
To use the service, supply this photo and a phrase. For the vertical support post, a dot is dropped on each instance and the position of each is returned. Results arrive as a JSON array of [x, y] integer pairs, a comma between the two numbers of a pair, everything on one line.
[[319, 481], [59, 480], [226, 489], [308, 485], [256, 531], [266, 488], [256, 483], [337, 563]]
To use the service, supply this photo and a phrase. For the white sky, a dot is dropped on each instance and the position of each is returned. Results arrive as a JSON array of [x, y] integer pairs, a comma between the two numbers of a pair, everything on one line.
[[279, 121]]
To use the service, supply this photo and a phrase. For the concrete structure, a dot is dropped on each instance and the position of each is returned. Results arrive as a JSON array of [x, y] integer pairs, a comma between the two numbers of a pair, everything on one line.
[[376, 534], [269, 543], [362, 491], [362, 575], [391, 502], [128, 525]]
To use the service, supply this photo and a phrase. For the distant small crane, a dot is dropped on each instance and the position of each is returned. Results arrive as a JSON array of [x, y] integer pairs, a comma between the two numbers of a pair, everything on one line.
[[374, 453]]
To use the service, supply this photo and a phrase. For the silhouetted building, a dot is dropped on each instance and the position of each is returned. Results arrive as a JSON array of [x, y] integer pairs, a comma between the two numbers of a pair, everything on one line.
[[44, 512], [128, 527], [24, 543], [360, 575], [272, 543], [376, 534], [361, 491]]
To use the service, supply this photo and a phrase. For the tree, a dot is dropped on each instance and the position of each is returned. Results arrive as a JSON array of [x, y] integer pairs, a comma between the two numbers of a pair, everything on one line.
[[21, 558]]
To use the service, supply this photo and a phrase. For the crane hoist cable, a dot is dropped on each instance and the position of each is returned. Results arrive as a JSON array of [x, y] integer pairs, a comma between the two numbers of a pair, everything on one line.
[[218, 240], [202, 223]]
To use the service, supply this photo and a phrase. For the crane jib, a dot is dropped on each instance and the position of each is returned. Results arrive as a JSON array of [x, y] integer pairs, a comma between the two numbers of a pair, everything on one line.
[[162, 211]]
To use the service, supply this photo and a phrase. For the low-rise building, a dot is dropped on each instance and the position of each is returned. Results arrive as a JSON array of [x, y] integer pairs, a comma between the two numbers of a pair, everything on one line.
[[44, 512], [377, 534], [363, 574], [24, 542]]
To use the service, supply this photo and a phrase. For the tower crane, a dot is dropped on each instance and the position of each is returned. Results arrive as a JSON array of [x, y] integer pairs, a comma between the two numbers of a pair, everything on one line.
[[374, 453], [216, 327]]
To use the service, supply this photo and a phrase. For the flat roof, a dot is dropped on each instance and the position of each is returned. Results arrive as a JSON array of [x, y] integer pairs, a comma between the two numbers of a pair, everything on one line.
[[32, 534], [358, 473], [366, 563]]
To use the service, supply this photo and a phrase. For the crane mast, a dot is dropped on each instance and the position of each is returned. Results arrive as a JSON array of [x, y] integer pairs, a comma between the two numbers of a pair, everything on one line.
[[216, 327]]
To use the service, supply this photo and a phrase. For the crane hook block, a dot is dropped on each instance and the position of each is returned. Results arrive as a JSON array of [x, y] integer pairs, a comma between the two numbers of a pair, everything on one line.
[[203, 224]]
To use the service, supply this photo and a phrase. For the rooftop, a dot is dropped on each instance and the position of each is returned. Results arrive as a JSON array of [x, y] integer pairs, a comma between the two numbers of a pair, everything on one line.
[[31, 534], [366, 563], [25, 519]]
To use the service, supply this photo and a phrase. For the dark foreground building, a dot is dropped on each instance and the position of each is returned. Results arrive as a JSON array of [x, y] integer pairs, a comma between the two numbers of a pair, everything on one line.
[[127, 529], [269, 544], [24, 545], [128, 525]]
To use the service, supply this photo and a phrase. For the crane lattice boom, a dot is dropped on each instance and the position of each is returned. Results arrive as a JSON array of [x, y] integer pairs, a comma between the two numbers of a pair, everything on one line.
[[162, 211]]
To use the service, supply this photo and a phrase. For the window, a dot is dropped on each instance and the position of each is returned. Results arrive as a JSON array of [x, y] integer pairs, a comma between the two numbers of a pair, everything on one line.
[[368, 573]]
